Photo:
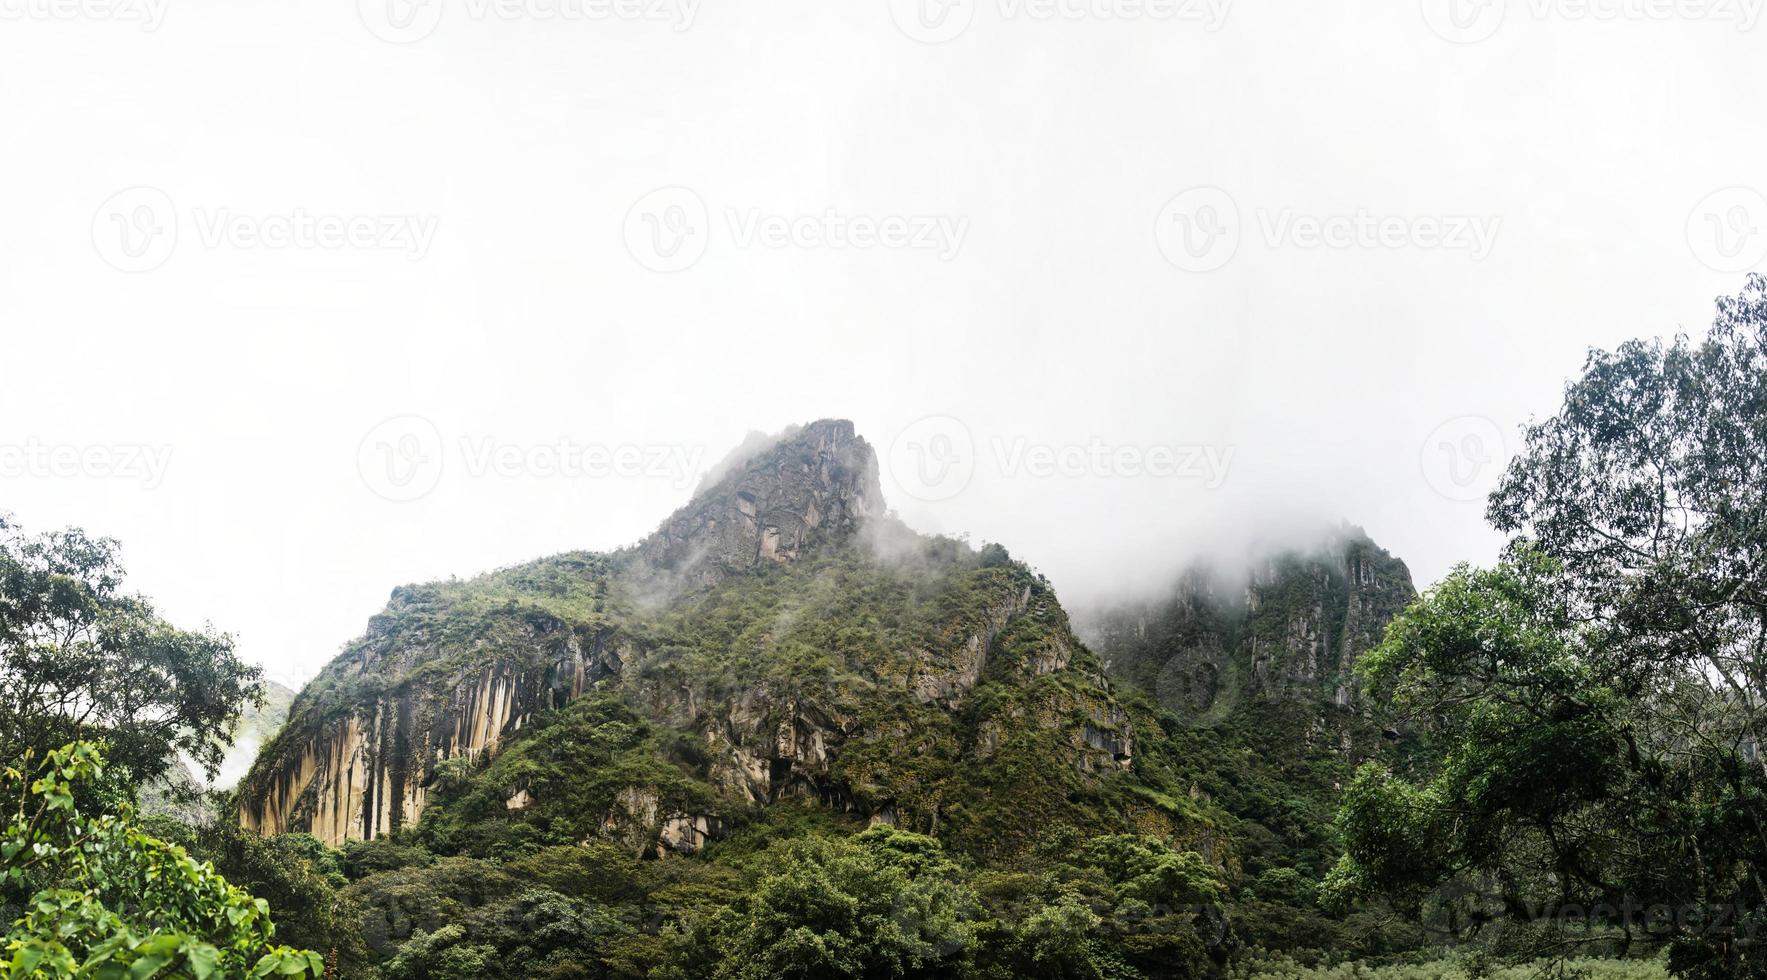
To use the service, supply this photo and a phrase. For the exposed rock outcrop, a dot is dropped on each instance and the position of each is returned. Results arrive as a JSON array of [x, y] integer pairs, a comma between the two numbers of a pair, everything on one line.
[[365, 738], [362, 769], [688, 634], [1289, 628], [767, 507]]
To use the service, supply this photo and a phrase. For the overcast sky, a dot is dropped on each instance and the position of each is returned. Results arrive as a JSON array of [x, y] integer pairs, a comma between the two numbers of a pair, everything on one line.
[[305, 301]]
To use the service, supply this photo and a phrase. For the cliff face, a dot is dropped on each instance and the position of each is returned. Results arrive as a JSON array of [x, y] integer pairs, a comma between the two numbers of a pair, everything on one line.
[[777, 638], [770, 501], [365, 737], [1287, 629], [1255, 667]]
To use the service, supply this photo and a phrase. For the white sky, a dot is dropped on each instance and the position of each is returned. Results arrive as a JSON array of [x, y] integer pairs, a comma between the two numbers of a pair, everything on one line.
[[1041, 152]]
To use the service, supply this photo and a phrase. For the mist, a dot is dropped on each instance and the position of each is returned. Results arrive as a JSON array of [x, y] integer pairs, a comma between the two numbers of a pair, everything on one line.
[[970, 245]]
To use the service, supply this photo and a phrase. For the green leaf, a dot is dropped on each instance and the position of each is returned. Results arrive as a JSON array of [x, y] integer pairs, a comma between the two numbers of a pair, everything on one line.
[[147, 966], [205, 961]]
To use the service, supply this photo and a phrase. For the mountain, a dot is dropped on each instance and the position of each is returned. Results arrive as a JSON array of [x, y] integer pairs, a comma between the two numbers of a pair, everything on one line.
[[779, 638], [862, 751], [1287, 626], [257, 725], [1251, 663], [180, 794]]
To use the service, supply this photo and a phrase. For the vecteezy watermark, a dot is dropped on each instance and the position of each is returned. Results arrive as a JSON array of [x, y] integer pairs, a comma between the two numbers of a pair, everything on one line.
[[1463, 908], [148, 14], [935, 457], [137, 230], [669, 229], [1462, 458], [1200, 230], [404, 458], [1727, 229], [408, 21], [401, 458], [938, 21], [1205, 464], [33, 459], [1655, 919], [410, 234], [937, 233], [1471, 21], [1198, 688]]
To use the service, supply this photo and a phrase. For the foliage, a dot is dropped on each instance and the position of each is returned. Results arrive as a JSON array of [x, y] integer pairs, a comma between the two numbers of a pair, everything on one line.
[[1594, 707], [103, 899], [1036, 817], [882, 904], [80, 658], [891, 903], [1279, 968], [298, 878]]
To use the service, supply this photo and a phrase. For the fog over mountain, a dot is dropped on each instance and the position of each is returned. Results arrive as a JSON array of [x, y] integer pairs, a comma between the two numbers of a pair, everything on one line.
[[281, 430]]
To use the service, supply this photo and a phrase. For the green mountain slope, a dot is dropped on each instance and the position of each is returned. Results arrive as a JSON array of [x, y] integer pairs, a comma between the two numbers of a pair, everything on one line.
[[1255, 667], [778, 638], [785, 718]]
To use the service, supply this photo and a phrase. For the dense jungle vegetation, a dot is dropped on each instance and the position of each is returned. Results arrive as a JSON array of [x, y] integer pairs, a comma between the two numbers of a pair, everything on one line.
[[1554, 766]]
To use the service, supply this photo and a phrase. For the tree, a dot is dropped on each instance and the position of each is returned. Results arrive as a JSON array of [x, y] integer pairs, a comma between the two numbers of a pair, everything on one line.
[[296, 875], [1593, 711], [103, 899], [1113, 906], [82, 659], [883, 904]]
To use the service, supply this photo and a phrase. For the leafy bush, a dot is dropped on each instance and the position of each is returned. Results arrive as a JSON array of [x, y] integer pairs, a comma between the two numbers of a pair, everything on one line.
[[107, 900]]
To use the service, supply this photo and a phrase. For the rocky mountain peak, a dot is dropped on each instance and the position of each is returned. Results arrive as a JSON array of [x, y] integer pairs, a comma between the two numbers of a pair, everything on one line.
[[767, 501], [752, 649], [1284, 624]]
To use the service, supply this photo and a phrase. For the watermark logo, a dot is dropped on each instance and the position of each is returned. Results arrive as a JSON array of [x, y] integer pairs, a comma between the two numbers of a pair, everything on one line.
[[135, 230], [1199, 229], [932, 21], [667, 229], [1463, 21], [1459, 909], [401, 459], [404, 458], [1212, 14], [410, 21], [936, 457], [938, 21], [400, 21], [1464, 910], [933, 458], [1462, 458], [1727, 229], [1471, 21], [32, 459], [936, 233], [1195, 686], [1363, 229], [407, 234], [670, 228], [148, 14], [1204, 464]]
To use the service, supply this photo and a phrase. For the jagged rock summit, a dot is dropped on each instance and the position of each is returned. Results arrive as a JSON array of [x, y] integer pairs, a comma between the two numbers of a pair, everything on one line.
[[378, 730], [777, 639], [765, 501]]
